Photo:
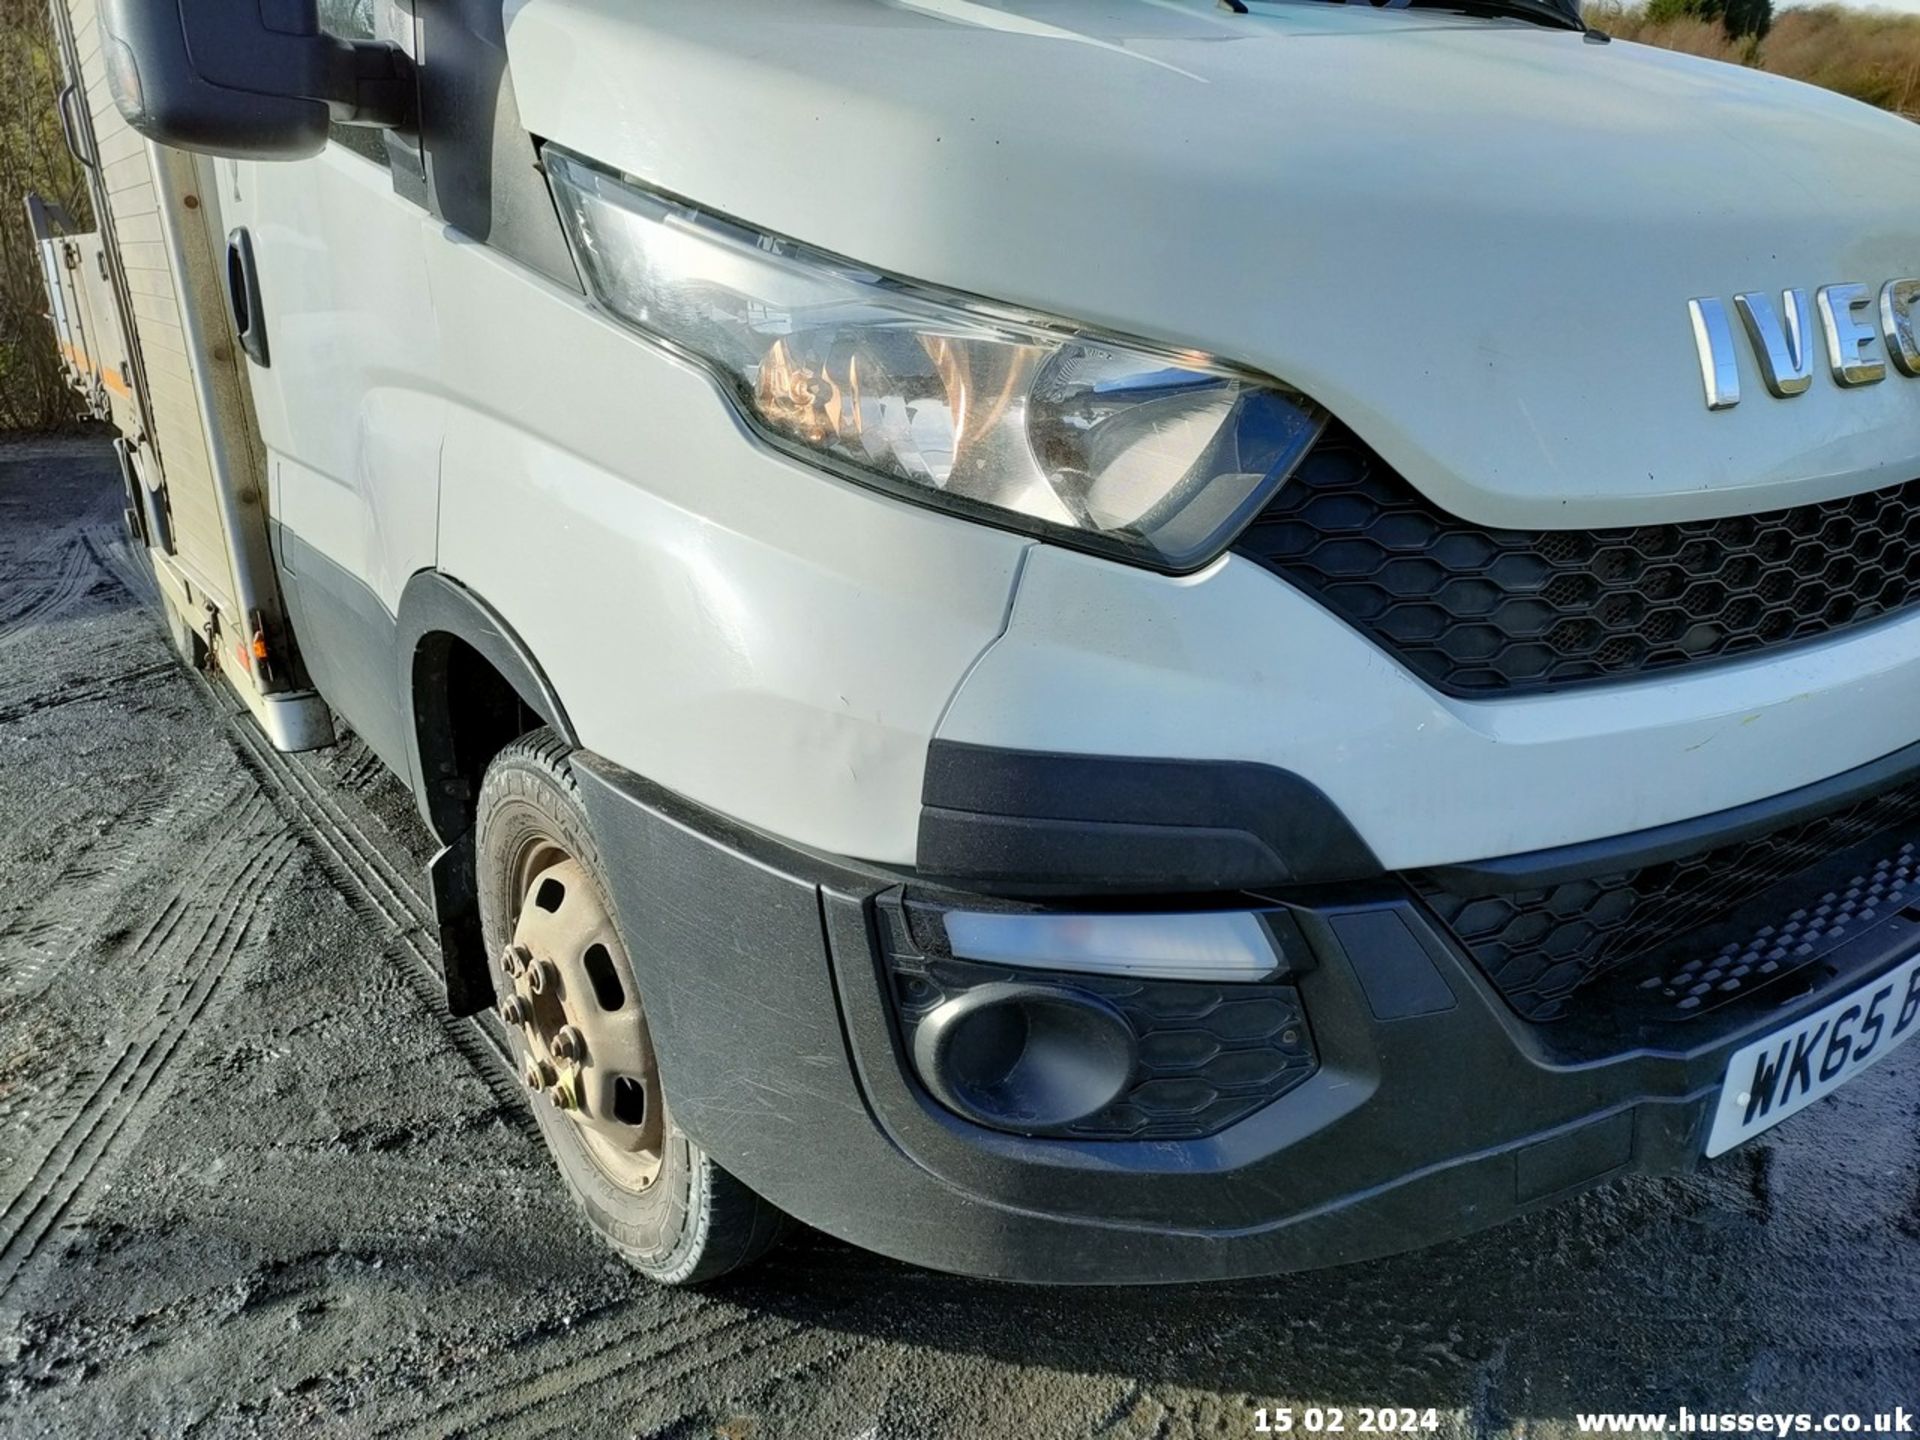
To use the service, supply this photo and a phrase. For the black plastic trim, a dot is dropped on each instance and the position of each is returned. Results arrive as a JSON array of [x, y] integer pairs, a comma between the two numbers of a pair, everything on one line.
[[479, 164], [1037, 819], [434, 611], [1683, 838], [764, 983], [346, 638]]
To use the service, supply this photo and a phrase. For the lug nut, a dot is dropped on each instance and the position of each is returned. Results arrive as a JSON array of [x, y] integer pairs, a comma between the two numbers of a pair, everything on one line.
[[569, 1044], [539, 1075], [542, 976], [514, 962], [562, 1098], [515, 1010]]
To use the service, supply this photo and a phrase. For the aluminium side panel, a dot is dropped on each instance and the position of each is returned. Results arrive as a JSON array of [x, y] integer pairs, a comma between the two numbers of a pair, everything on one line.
[[187, 413], [128, 183]]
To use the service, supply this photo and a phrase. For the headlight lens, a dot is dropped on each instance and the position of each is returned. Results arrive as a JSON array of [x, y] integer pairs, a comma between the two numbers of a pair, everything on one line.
[[1107, 445]]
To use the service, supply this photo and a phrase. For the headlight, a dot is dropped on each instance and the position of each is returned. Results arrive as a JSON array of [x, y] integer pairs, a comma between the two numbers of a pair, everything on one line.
[[1112, 446]]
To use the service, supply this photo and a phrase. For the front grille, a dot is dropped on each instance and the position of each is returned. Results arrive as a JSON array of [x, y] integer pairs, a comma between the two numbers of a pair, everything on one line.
[[1703, 980], [1540, 946], [1479, 612]]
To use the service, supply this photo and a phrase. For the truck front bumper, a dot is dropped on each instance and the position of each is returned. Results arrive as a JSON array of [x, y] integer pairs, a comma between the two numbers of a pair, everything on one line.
[[1434, 1109]]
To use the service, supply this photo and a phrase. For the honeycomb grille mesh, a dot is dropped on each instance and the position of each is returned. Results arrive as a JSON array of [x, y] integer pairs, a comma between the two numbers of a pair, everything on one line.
[[1701, 982], [1476, 612], [1539, 946]]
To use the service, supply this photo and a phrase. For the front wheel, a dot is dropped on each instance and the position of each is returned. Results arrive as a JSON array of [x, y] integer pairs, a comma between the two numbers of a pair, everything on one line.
[[567, 993]]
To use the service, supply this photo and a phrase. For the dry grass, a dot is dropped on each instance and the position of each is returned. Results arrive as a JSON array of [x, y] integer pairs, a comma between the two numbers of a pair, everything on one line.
[[1869, 55], [33, 396]]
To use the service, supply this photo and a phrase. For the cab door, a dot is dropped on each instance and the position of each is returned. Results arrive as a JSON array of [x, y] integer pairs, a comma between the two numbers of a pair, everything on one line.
[[327, 265]]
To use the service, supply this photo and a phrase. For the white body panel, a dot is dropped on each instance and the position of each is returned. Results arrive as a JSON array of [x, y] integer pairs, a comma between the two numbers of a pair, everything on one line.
[[350, 407], [1232, 664], [1473, 240], [770, 642]]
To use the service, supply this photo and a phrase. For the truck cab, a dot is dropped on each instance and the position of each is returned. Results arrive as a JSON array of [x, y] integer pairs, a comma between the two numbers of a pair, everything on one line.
[[1089, 642]]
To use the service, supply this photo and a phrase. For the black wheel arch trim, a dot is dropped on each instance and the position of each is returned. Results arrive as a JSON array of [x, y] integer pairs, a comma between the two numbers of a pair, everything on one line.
[[435, 611]]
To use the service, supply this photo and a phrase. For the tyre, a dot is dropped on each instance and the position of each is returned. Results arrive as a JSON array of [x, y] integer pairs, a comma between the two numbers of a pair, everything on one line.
[[567, 994]]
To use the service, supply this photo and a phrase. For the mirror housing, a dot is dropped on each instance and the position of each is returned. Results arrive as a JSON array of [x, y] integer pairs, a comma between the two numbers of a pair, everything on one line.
[[251, 79]]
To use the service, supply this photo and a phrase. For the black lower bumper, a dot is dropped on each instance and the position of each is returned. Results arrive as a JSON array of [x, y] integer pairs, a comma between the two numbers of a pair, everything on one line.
[[1435, 1110]]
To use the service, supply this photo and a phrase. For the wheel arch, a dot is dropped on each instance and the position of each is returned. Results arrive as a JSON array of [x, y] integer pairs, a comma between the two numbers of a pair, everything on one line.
[[470, 687]]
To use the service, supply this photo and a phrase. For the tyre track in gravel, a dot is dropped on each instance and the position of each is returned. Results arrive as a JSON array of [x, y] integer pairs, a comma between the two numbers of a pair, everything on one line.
[[81, 569], [189, 800], [146, 950], [515, 1406], [89, 863], [208, 925], [114, 553], [56, 542], [23, 609], [42, 937], [382, 892], [108, 689]]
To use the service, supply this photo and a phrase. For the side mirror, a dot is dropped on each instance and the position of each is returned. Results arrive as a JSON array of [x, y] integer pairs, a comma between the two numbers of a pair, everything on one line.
[[253, 79]]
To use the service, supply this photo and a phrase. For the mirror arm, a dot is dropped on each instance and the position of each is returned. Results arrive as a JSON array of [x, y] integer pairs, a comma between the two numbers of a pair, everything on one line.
[[369, 82]]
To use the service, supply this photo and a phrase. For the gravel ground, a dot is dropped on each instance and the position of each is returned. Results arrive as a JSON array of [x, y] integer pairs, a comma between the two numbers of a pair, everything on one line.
[[253, 1182]]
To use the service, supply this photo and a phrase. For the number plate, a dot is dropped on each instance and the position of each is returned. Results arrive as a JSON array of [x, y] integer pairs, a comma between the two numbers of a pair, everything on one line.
[[1790, 1069]]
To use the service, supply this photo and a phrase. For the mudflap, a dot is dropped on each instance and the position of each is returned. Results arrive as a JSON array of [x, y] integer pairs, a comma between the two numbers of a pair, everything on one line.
[[456, 908]]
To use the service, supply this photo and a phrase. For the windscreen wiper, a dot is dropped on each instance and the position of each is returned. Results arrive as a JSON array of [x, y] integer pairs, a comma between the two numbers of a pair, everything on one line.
[[1557, 14]]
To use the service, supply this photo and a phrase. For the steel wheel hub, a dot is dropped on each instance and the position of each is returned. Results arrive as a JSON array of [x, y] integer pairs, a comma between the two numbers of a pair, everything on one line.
[[584, 1036]]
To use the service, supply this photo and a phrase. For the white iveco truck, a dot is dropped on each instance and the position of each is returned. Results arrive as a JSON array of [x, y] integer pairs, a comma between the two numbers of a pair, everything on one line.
[[1082, 641]]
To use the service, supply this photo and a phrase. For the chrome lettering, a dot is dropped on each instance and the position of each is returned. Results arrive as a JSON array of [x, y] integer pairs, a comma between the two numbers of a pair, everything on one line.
[[1898, 324], [1782, 341], [1849, 337], [1713, 339]]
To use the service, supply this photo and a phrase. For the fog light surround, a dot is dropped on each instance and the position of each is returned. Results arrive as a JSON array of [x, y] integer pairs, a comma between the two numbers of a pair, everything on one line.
[[1025, 1057], [1028, 1046]]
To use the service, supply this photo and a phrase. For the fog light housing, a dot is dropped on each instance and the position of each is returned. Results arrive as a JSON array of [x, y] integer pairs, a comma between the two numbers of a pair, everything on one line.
[[1025, 1056], [1085, 1053]]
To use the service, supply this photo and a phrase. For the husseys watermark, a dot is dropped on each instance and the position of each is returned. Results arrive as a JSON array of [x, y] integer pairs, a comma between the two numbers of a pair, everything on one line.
[[1897, 1421]]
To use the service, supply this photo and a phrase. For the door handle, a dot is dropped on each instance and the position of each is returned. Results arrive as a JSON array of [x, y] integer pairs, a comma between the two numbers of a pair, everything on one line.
[[243, 297]]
